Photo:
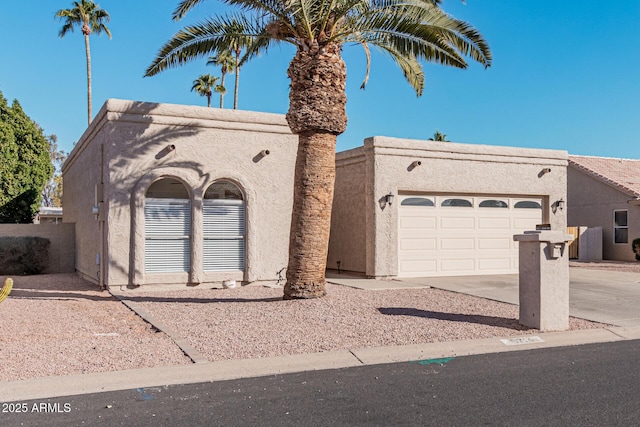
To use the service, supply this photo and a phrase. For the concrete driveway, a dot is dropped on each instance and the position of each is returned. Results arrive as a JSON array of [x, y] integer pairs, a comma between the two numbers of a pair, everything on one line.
[[604, 296], [600, 295]]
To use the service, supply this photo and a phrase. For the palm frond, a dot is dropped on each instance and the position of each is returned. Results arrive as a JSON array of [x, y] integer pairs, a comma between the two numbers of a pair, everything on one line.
[[184, 7], [409, 31], [214, 35]]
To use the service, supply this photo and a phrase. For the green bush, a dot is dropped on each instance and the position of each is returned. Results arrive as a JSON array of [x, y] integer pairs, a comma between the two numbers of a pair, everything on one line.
[[23, 255], [635, 246]]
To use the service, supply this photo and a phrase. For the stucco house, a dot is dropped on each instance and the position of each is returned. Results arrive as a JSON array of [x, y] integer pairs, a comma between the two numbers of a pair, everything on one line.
[[412, 208], [605, 192], [165, 193]]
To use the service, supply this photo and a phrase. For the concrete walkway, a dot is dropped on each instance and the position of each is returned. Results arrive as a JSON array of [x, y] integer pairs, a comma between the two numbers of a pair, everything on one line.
[[602, 296]]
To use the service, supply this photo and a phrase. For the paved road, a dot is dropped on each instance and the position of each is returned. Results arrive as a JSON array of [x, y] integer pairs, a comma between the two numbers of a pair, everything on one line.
[[596, 384]]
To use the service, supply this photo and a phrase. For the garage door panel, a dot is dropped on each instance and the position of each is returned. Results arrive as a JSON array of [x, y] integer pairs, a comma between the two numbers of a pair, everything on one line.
[[494, 223], [418, 268], [424, 222], [525, 223], [494, 264], [416, 233], [457, 223], [458, 265], [494, 243], [418, 244], [457, 244]]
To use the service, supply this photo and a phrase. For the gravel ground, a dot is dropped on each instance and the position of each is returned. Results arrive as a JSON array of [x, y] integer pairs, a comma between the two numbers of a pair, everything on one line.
[[60, 324]]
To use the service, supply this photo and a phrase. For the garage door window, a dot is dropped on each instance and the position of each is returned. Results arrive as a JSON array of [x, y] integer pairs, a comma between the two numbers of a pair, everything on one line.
[[223, 214], [493, 203], [167, 214], [620, 227], [417, 201], [460, 203], [527, 204]]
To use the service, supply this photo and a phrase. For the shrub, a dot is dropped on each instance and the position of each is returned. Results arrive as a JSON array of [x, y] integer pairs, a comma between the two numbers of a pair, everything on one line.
[[635, 246], [23, 255]]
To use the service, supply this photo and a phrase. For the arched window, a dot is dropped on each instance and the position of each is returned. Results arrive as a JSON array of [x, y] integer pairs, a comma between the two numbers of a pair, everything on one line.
[[417, 201], [167, 214], [223, 215]]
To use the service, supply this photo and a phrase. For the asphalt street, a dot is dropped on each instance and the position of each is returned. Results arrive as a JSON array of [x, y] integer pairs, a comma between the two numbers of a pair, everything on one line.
[[595, 384]]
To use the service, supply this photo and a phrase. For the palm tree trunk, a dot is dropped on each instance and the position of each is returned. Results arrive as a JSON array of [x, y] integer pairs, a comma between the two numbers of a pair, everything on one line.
[[209, 99], [222, 93], [235, 89], [88, 52], [317, 114], [311, 216]]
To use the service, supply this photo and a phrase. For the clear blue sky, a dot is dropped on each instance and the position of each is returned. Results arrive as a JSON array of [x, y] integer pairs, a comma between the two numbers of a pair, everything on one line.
[[565, 75]]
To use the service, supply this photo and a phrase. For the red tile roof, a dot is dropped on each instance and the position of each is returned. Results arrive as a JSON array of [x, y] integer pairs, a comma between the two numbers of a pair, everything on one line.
[[623, 174]]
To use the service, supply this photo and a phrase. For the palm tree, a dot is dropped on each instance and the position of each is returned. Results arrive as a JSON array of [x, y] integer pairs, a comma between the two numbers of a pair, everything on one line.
[[227, 64], [91, 19], [409, 31], [204, 86], [439, 136]]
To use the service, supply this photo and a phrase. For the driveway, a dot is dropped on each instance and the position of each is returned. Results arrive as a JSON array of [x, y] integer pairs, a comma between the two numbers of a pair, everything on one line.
[[605, 296]]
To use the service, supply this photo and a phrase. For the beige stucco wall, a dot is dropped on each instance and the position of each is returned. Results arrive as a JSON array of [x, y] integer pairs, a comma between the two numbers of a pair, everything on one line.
[[209, 144], [449, 168], [61, 238], [348, 218], [78, 200], [591, 203]]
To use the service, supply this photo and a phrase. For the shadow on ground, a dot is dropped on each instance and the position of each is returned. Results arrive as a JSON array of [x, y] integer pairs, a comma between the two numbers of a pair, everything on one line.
[[501, 322]]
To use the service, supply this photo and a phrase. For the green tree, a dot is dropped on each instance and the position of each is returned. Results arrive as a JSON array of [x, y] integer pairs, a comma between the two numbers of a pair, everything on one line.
[[227, 64], [25, 165], [439, 136], [91, 19], [409, 31], [52, 192], [205, 85]]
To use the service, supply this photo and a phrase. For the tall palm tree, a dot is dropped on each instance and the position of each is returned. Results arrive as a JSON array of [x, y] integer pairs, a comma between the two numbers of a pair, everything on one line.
[[409, 31], [227, 64], [205, 85], [91, 19]]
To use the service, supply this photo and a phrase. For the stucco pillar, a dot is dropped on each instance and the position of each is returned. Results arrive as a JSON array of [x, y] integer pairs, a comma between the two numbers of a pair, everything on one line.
[[544, 279]]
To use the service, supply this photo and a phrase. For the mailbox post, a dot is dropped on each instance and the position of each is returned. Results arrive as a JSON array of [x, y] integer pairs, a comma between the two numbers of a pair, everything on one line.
[[544, 279]]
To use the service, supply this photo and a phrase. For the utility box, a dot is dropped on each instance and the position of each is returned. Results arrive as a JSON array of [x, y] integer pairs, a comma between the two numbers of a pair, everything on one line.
[[544, 279]]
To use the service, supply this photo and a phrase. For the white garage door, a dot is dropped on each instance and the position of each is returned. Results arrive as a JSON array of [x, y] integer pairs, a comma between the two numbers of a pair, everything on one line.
[[460, 235]]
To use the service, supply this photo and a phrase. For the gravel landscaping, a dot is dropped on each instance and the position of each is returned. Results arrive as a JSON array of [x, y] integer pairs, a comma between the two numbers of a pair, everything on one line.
[[60, 324]]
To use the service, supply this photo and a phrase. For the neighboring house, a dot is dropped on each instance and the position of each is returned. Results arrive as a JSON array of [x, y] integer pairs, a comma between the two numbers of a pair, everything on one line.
[[165, 193], [422, 208], [48, 215], [605, 192]]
